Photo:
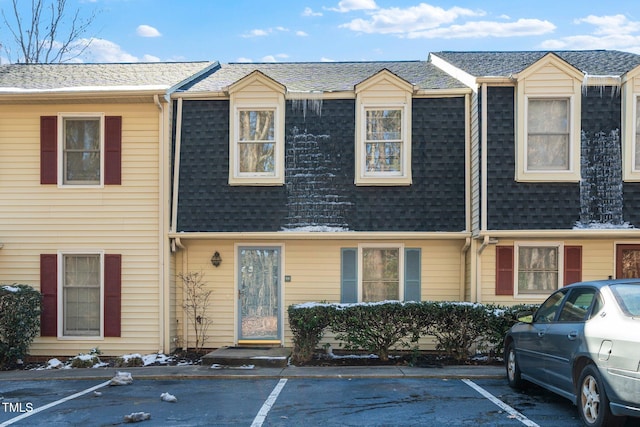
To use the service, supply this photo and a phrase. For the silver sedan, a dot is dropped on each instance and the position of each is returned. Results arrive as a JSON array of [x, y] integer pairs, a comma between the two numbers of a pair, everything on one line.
[[583, 343]]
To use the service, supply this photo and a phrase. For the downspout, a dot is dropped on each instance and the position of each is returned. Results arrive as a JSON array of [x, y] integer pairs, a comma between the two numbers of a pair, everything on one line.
[[162, 215], [483, 192], [176, 173], [463, 264]]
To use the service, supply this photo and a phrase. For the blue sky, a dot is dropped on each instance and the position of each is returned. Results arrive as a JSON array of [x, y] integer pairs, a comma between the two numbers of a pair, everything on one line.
[[347, 30]]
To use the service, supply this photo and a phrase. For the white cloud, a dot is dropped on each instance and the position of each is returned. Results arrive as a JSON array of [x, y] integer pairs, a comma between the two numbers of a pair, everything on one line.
[[147, 31], [255, 33], [614, 32], [349, 5], [479, 29], [301, 34], [309, 12], [101, 50], [615, 24], [150, 58], [263, 33], [323, 59], [416, 18], [274, 58], [243, 59]]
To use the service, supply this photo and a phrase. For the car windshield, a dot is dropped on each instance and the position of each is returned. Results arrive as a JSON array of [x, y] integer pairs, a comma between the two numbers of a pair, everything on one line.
[[628, 297]]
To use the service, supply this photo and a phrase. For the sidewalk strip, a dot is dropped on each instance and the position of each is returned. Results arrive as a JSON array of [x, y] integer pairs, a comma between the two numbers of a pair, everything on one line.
[[266, 407], [52, 404], [512, 412]]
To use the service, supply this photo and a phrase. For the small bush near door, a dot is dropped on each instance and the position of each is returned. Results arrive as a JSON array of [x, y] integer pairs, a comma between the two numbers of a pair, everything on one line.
[[19, 322]]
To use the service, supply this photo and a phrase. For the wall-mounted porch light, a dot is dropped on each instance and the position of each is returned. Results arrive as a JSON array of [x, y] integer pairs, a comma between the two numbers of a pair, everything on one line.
[[216, 260]]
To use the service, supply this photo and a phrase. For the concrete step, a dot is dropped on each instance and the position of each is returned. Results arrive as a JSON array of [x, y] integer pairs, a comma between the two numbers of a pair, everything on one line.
[[272, 357]]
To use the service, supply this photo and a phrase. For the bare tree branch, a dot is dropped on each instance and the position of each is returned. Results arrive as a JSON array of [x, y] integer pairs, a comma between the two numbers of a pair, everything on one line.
[[47, 35]]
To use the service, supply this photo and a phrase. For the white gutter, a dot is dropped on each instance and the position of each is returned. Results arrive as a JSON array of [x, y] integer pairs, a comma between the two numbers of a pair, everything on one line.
[[319, 235]]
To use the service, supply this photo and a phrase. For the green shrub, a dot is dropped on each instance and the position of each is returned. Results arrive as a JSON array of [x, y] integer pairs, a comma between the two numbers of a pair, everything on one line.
[[129, 361], [308, 323], [499, 320], [457, 326], [19, 322], [376, 327], [88, 360]]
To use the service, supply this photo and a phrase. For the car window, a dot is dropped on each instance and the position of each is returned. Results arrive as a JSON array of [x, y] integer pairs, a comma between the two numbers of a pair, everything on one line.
[[577, 305], [548, 310], [628, 298]]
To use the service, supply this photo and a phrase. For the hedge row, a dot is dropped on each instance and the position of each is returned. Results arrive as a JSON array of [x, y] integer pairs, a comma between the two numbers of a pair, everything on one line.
[[380, 327], [19, 322]]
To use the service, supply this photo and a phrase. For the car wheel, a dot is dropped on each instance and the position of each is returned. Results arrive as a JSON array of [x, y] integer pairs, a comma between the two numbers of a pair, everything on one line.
[[513, 370], [593, 403]]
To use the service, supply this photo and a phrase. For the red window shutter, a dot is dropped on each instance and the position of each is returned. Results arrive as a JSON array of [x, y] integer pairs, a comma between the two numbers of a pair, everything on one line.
[[49, 291], [112, 150], [504, 270], [112, 294], [572, 264], [48, 150]]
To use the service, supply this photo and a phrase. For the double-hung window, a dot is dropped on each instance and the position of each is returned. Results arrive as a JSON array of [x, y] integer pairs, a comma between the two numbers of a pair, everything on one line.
[[383, 142], [538, 268], [81, 294], [82, 150], [381, 273], [256, 144], [548, 135]]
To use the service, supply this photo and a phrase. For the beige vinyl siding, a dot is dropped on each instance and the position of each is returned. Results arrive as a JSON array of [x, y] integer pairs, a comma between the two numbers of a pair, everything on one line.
[[314, 267], [550, 80], [122, 219], [598, 262]]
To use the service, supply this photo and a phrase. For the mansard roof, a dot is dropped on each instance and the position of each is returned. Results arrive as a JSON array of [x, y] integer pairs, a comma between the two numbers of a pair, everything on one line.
[[505, 64]]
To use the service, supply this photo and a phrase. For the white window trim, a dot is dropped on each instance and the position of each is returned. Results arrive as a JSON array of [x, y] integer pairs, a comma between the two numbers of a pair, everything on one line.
[[238, 178], [60, 301], [631, 173], [383, 178], [572, 174], [401, 266], [61, 159], [516, 256]]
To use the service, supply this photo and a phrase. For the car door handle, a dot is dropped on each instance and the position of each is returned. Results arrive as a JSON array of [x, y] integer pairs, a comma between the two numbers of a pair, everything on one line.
[[572, 335]]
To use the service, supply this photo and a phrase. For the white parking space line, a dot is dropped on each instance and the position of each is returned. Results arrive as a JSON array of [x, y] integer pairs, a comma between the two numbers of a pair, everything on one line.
[[266, 407], [512, 412], [52, 404]]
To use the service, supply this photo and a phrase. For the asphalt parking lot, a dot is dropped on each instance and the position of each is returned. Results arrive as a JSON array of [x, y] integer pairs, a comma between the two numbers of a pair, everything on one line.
[[290, 397]]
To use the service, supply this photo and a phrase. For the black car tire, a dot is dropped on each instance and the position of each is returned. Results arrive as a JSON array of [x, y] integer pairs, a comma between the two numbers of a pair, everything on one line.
[[513, 369], [593, 403]]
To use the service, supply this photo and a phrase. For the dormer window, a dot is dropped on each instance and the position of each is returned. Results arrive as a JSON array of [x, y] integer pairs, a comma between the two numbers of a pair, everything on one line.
[[383, 130], [256, 134]]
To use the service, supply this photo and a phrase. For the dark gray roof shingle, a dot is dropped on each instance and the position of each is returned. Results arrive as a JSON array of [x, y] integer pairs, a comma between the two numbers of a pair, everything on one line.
[[326, 76], [504, 64], [46, 77]]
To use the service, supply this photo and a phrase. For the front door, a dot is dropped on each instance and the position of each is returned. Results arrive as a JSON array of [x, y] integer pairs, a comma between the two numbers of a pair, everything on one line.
[[627, 261], [259, 293]]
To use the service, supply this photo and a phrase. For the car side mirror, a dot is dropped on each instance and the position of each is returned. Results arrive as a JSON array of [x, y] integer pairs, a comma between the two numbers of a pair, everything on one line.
[[525, 316]]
